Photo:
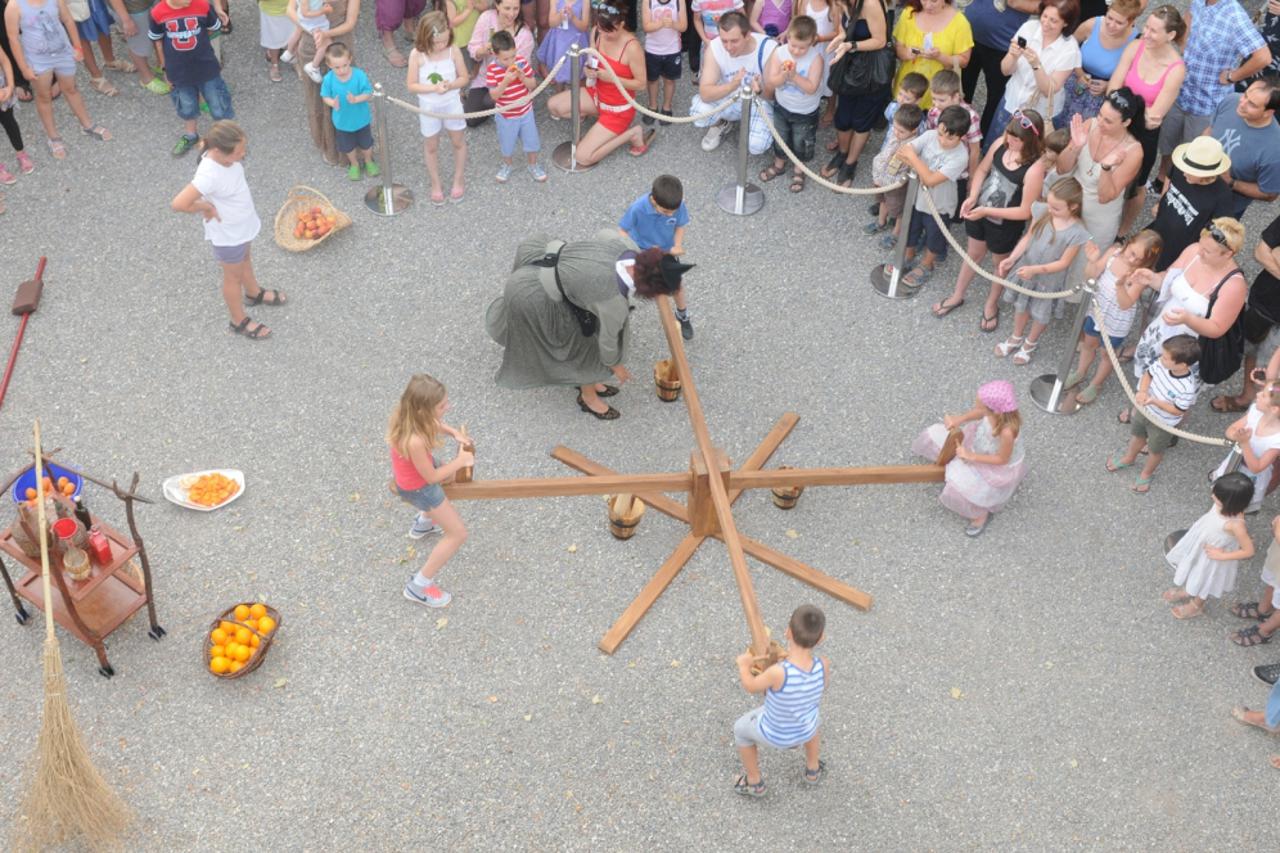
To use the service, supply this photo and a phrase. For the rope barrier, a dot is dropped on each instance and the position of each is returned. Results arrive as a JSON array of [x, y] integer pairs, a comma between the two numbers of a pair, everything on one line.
[[547, 81], [604, 68], [977, 268], [1118, 369], [814, 176]]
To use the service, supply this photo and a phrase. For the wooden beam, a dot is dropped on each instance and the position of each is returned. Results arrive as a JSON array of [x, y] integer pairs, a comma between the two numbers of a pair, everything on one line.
[[864, 476], [657, 584], [549, 487], [804, 572], [719, 493]]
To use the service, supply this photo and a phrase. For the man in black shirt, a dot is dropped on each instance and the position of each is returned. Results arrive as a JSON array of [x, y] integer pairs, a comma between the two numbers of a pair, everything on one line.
[[1194, 195]]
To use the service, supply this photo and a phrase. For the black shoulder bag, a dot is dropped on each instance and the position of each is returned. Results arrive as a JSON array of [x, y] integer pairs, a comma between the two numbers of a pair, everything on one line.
[[1220, 357], [863, 72], [588, 323]]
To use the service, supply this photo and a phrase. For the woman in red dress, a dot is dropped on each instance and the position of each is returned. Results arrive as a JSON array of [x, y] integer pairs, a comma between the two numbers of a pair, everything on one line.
[[601, 97]]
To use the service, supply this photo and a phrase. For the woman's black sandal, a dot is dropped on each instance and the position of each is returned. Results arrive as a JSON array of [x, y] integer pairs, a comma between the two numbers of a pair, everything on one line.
[[834, 164], [1251, 636], [242, 328], [276, 298], [847, 171], [611, 414]]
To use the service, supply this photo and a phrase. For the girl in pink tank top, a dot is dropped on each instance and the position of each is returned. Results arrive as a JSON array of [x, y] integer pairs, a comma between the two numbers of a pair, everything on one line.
[[414, 430]]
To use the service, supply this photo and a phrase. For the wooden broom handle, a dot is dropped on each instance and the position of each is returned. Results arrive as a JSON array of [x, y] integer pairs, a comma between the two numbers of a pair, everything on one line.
[[44, 535]]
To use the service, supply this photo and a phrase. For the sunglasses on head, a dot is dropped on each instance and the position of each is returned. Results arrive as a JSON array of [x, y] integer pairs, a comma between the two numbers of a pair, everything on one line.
[[1119, 101], [605, 7], [1025, 123], [1219, 236]]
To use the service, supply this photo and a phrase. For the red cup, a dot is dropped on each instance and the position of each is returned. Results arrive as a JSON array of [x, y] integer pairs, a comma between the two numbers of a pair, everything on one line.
[[65, 530]]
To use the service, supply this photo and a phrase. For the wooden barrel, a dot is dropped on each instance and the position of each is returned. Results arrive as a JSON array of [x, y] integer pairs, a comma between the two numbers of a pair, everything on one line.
[[667, 380], [786, 498], [625, 512]]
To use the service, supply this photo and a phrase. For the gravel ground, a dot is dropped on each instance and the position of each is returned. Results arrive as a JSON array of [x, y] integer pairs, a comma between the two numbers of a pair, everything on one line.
[[1025, 689]]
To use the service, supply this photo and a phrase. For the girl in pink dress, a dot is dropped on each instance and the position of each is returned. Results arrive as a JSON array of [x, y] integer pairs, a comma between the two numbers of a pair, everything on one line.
[[989, 463]]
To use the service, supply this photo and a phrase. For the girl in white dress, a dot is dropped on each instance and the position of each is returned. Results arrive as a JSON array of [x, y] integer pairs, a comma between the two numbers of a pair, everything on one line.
[[1258, 434], [438, 76], [1205, 559]]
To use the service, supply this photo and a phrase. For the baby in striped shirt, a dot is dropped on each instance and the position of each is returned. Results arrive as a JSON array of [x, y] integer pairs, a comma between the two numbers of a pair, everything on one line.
[[792, 690]]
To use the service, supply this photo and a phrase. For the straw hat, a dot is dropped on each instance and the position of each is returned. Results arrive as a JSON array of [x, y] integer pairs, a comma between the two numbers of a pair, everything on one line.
[[1202, 157]]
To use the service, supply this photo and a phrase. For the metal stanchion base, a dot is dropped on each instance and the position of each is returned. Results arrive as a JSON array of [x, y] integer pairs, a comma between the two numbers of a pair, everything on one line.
[[563, 158], [1063, 403], [749, 201], [881, 281], [1173, 539], [401, 200]]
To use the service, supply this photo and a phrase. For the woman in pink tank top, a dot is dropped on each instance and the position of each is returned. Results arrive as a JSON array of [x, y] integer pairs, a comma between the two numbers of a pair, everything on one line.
[[1153, 69]]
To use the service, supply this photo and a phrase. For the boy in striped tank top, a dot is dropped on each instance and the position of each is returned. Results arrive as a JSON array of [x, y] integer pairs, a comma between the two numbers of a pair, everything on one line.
[[792, 689]]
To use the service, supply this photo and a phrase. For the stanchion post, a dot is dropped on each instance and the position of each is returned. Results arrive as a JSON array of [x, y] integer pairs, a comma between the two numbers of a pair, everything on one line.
[[1049, 390], [565, 155], [886, 278], [1234, 458], [742, 198], [388, 198]]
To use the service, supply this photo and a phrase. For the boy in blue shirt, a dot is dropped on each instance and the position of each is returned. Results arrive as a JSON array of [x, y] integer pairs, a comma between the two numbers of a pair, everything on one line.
[[347, 91], [658, 220]]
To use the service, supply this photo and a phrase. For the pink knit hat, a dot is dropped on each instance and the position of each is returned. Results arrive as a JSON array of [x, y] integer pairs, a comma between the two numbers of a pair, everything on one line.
[[998, 396]]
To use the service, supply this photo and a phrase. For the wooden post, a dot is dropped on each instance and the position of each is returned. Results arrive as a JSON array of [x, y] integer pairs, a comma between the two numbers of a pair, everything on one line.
[[702, 511], [464, 474], [948, 451]]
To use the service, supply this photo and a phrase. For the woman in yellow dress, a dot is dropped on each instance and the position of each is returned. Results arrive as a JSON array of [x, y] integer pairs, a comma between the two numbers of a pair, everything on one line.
[[930, 35]]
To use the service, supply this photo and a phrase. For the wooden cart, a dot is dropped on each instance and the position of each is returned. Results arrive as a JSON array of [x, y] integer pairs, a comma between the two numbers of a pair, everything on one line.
[[94, 607]]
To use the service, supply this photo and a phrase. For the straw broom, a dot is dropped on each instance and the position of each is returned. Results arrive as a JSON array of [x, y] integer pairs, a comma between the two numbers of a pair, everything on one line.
[[69, 798]]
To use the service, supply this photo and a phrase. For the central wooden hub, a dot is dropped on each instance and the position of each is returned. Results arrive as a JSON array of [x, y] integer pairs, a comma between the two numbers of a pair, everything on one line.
[[702, 510]]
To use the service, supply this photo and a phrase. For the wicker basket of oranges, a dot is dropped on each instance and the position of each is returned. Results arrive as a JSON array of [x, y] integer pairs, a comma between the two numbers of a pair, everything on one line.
[[238, 640], [307, 219]]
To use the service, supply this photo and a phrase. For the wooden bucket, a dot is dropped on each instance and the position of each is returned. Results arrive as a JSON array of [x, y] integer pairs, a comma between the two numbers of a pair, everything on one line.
[[667, 380], [625, 512], [464, 474], [786, 498]]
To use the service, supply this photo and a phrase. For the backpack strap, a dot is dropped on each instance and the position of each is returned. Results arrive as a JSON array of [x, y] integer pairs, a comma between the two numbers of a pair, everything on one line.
[[1213, 297]]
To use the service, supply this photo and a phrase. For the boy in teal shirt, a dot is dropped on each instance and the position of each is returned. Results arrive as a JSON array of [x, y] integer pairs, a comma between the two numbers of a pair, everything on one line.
[[347, 91]]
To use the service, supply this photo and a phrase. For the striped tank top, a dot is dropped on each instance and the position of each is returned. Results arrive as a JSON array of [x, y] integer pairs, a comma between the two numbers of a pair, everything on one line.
[[791, 714]]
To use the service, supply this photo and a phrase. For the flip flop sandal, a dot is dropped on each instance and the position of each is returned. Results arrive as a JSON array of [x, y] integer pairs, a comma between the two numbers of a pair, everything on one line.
[[124, 66], [1190, 610], [1124, 417], [98, 132], [57, 148], [1229, 407], [797, 183], [103, 86], [395, 57], [1141, 486], [1114, 464], [437, 198], [1088, 395], [1238, 714], [942, 309], [1248, 610], [742, 786], [989, 322], [455, 195], [276, 298], [1249, 637], [242, 328]]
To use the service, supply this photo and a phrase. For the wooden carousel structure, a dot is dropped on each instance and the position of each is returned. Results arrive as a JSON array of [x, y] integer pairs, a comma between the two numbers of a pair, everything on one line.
[[712, 486]]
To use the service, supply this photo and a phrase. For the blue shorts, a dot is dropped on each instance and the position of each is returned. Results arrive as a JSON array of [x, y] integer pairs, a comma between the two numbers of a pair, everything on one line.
[[186, 100], [1091, 329], [424, 499], [230, 254], [659, 65], [924, 228], [349, 140], [521, 128]]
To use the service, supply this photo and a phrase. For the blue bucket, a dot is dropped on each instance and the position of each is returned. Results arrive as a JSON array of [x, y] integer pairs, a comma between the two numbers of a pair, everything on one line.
[[53, 472]]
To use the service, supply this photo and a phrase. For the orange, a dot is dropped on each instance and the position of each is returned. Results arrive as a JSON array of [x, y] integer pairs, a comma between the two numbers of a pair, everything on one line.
[[219, 636], [254, 641], [218, 652], [220, 665], [243, 635], [31, 493], [266, 624], [229, 627], [236, 666], [242, 612], [251, 624], [257, 611], [243, 653]]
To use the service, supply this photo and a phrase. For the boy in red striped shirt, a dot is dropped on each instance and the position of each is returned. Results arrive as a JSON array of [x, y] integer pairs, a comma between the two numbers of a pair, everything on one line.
[[509, 79]]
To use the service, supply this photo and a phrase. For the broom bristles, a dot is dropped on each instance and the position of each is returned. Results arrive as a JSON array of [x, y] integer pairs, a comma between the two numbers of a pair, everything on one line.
[[69, 798]]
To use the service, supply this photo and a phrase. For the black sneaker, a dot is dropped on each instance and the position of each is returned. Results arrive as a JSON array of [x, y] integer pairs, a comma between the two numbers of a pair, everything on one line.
[[874, 208], [645, 118], [686, 329], [1267, 673]]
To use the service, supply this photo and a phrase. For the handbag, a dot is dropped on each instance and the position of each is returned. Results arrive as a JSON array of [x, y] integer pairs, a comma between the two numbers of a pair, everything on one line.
[[1220, 357], [863, 72], [79, 10], [588, 323]]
